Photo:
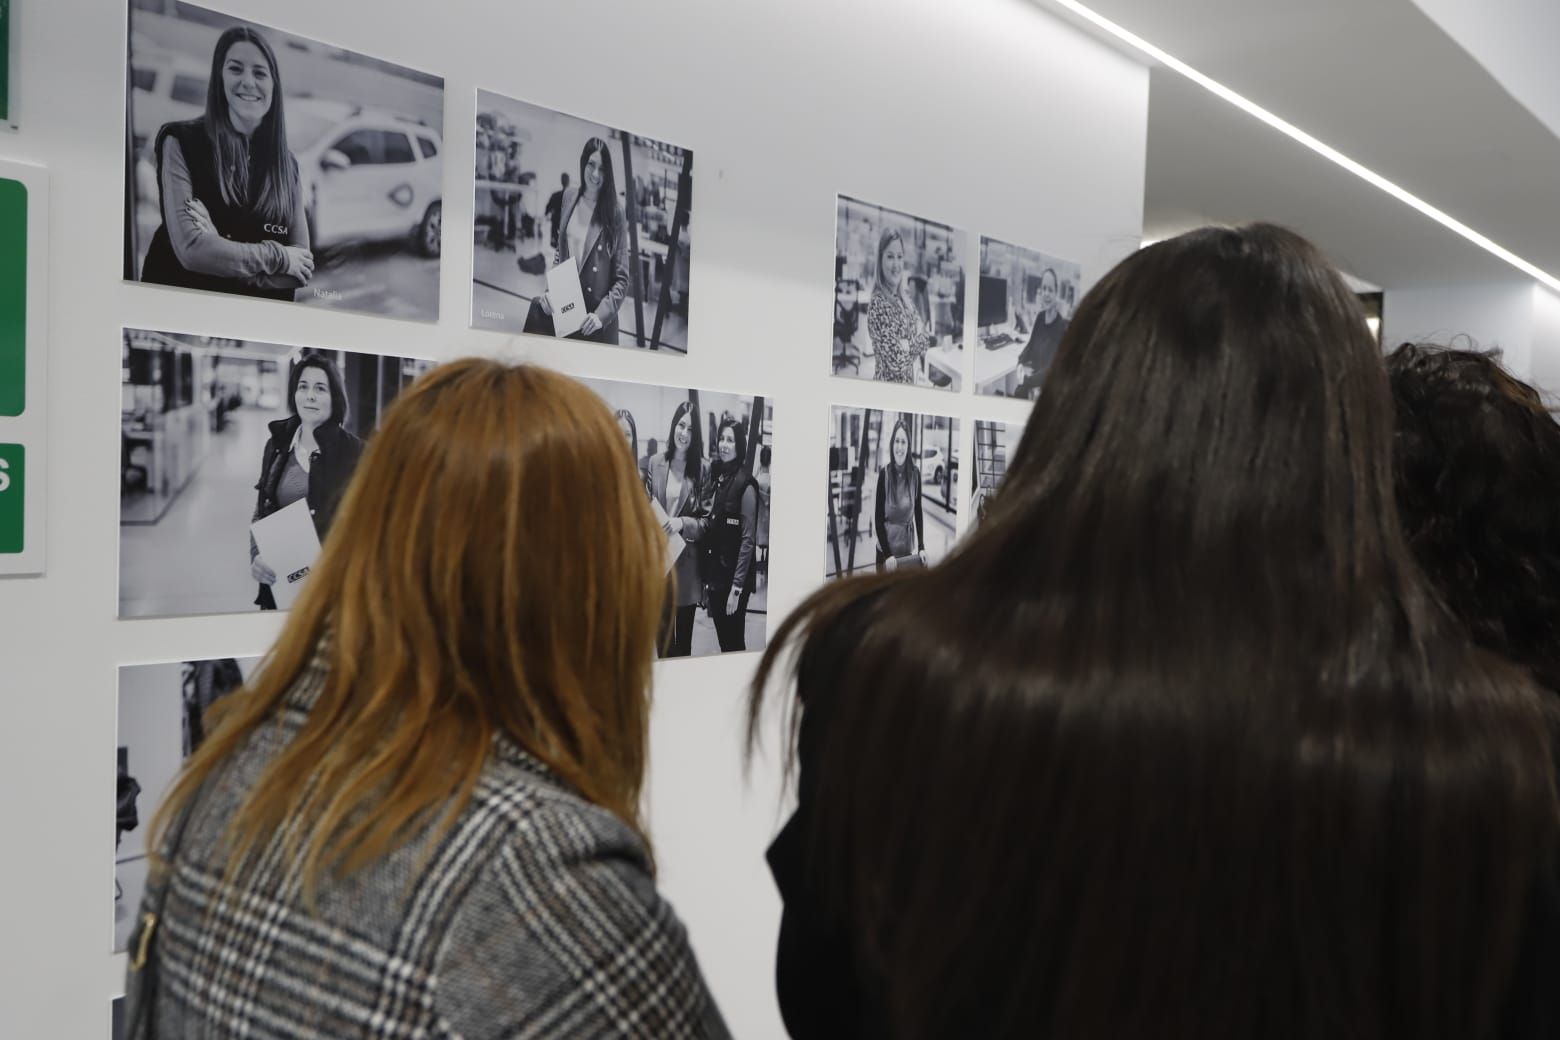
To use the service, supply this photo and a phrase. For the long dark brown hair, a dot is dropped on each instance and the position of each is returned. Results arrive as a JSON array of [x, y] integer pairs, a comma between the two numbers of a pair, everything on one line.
[[1179, 744], [1478, 486], [260, 172], [608, 214]]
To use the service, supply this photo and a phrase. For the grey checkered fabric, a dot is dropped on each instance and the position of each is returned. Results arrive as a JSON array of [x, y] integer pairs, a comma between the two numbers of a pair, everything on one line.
[[534, 916]]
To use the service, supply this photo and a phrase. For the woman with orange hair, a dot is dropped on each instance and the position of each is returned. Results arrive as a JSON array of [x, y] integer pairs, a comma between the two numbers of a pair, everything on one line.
[[423, 816]]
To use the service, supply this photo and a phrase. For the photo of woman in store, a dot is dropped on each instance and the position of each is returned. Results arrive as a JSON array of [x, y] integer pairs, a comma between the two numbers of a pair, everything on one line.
[[595, 235], [677, 481], [309, 455], [730, 537], [233, 216], [901, 539], [900, 336]]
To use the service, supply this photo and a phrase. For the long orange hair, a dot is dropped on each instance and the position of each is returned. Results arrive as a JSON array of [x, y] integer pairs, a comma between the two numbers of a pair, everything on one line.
[[494, 568]]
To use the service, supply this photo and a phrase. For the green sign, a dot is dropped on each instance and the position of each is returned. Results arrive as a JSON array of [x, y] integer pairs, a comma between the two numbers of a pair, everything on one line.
[[12, 475], [13, 296]]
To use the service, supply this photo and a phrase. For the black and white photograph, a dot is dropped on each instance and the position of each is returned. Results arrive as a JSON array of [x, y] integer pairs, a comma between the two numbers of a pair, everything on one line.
[[898, 297], [162, 709], [1023, 305], [234, 455], [263, 163], [893, 490], [994, 446], [582, 230], [705, 459]]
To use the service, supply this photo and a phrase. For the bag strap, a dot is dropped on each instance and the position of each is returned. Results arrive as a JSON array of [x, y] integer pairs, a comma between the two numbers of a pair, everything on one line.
[[143, 963]]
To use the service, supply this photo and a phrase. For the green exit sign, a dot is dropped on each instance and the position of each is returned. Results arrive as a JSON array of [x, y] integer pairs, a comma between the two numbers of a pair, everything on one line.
[[13, 476]]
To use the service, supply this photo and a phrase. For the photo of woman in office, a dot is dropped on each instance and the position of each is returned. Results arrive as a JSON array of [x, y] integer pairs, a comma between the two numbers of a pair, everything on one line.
[[677, 481], [730, 537], [901, 538], [233, 217], [309, 456], [594, 234], [900, 336]]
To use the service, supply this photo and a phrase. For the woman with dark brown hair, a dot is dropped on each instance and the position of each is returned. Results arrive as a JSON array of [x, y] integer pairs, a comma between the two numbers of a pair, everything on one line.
[[1179, 743], [423, 817], [1478, 485]]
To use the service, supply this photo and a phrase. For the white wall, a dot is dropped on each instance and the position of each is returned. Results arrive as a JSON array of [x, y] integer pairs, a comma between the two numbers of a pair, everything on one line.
[[1544, 370], [986, 114], [1496, 315]]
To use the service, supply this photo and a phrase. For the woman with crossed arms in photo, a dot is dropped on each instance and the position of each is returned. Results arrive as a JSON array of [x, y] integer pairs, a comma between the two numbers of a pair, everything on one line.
[[1044, 338], [677, 481], [901, 534], [594, 233], [730, 537], [309, 455], [899, 334], [233, 216]]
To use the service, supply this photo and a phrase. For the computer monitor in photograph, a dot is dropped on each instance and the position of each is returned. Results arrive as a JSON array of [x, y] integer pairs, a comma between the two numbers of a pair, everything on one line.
[[993, 301]]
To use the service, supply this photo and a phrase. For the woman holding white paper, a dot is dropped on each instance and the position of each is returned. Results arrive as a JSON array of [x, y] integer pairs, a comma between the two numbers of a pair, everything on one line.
[[676, 483], [594, 234], [308, 457]]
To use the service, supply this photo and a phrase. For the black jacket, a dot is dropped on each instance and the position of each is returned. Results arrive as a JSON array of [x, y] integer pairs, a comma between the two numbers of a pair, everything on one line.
[[332, 466]]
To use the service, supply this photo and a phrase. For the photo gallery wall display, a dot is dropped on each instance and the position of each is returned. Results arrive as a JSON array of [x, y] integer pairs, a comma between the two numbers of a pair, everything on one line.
[[581, 230], [234, 455], [266, 164], [1023, 305], [893, 490], [704, 457], [162, 710], [899, 297]]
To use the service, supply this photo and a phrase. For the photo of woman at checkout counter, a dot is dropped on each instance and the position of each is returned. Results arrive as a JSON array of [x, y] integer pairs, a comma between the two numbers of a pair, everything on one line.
[[233, 457], [1023, 307]]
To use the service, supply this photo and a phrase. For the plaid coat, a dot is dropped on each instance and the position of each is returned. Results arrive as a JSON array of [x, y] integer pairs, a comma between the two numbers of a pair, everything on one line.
[[534, 916]]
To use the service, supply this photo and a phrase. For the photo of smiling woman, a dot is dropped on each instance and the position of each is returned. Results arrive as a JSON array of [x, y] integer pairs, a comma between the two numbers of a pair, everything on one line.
[[593, 233], [730, 536], [899, 523], [308, 456], [677, 481], [262, 163], [898, 297], [223, 441], [232, 205], [893, 490]]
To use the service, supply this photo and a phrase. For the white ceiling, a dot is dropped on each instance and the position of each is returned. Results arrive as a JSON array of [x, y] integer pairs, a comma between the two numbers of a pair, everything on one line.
[[1379, 80]]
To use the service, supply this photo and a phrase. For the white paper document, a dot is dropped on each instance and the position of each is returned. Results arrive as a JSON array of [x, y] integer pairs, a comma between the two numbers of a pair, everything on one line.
[[566, 297], [289, 545], [674, 541]]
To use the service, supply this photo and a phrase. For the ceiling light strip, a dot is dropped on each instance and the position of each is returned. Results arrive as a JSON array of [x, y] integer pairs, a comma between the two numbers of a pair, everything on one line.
[[1326, 151]]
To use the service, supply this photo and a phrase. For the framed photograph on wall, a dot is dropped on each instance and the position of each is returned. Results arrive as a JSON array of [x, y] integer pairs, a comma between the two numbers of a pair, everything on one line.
[[263, 163], [705, 459], [162, 711], [893, 490], [994, 446], [1024, 302], [898, 297], [234, 455], [582, 230]]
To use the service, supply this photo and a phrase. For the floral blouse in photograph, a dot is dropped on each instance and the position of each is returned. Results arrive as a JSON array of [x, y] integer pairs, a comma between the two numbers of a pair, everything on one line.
[[899, 337]]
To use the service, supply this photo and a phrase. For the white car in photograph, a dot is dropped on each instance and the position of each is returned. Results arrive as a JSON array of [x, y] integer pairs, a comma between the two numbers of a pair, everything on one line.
[[369, 175], [933, 467], [165, 87]]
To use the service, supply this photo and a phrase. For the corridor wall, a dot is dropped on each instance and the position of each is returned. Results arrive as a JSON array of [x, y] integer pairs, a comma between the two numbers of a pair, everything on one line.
[[987, 114]]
